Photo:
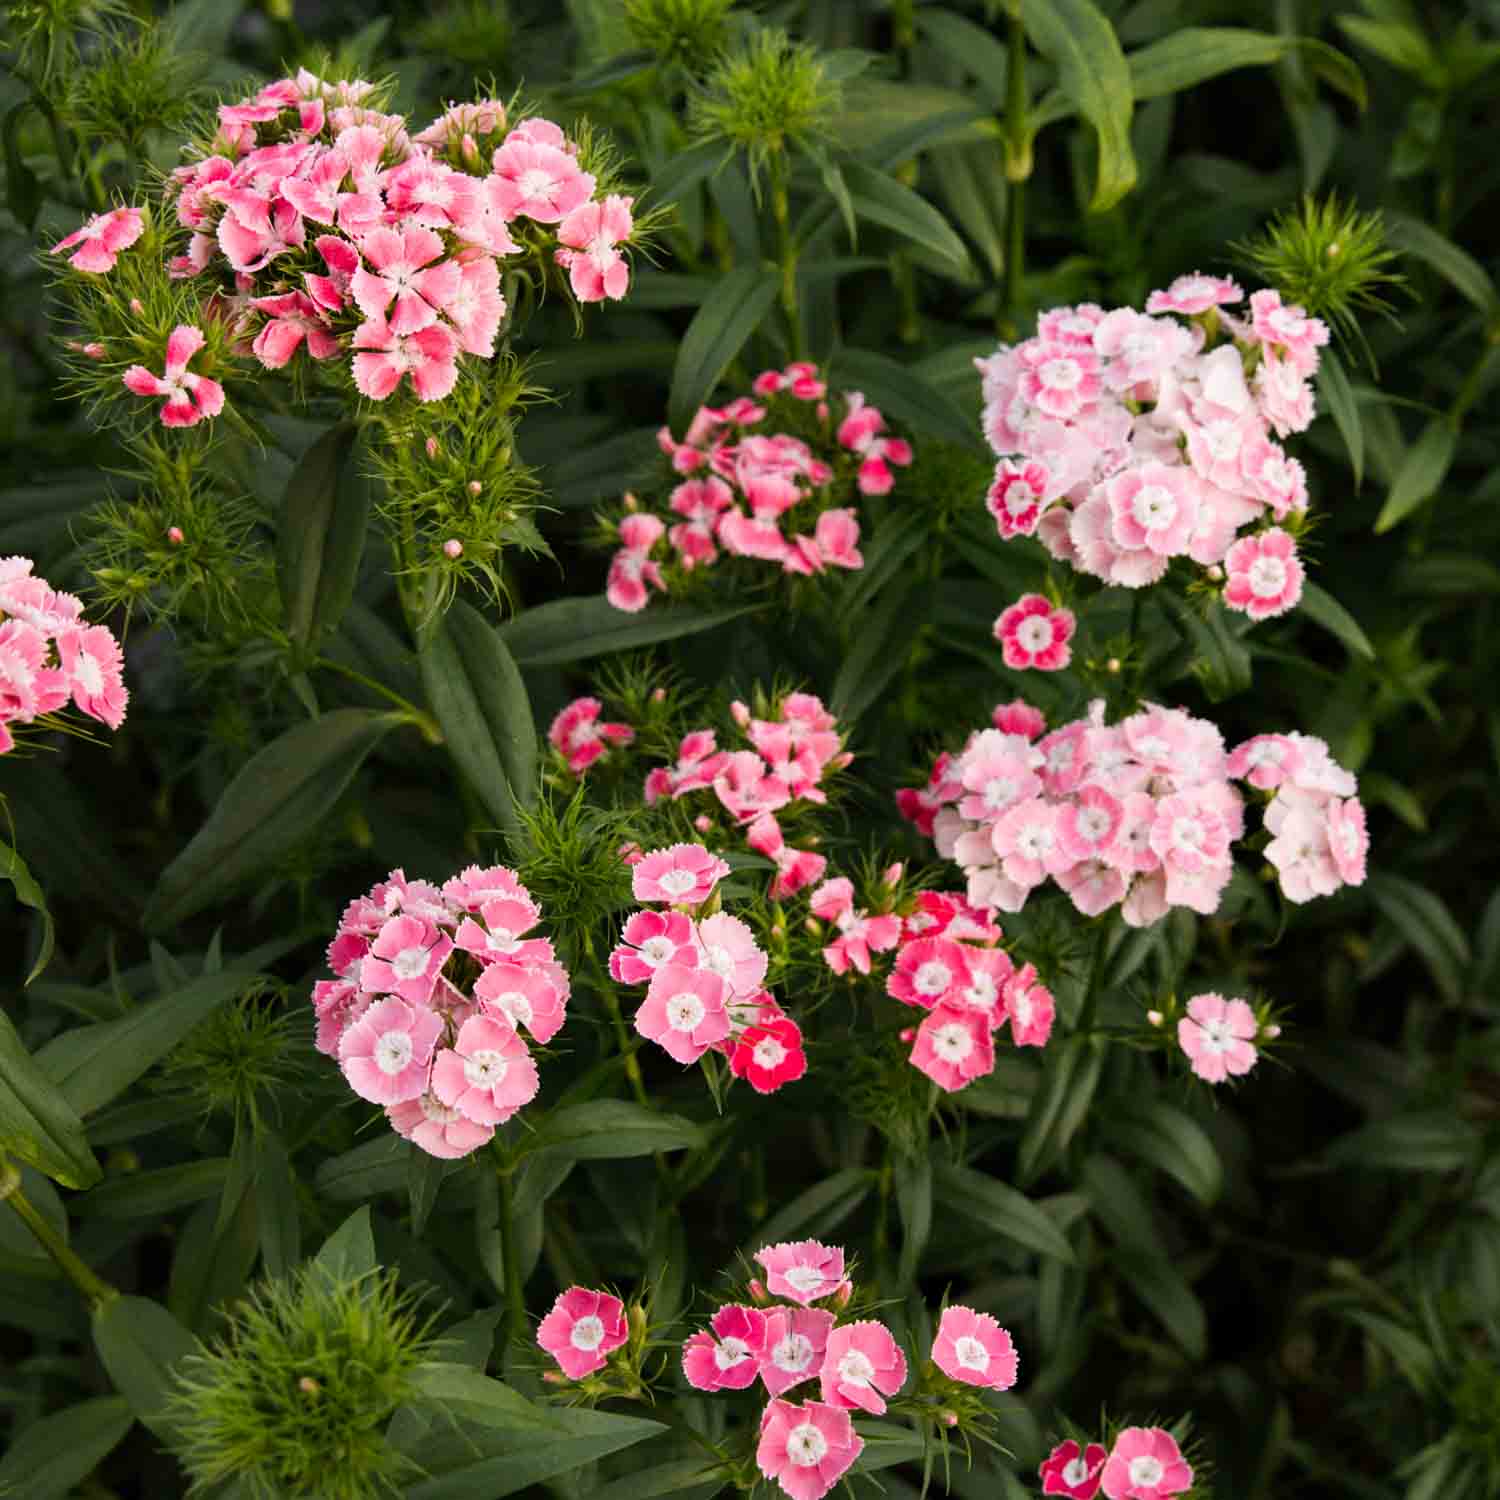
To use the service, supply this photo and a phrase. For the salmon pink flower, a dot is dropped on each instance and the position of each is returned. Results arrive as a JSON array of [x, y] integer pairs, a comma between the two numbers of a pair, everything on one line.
[[436, 1127], [728, 1359], [862, 1364], [342, 260], [93, 666], [954, 1045], [795, 1341], [428, 357], [1019, 494], [973, 1348], [387, 1053], [591, 234], [806, 1449], [681, 875], [488, 1073], [190, 397], [649, 940], [1265, 574], [1034, 634], [684, 1011], [582, 1328], [540, 180], [803, 1271], [473, 887], [747, 788], [1030, 1008], [528, 995], [101, 240], [929, 971], [431, 194], [768, 1053], [1069, 1470], [727, 947], [1218, 1036], [1145, 1464]]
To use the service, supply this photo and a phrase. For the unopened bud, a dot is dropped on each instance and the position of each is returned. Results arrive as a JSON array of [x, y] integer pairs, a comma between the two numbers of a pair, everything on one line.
[[1333, 250], [893, 873], [174, 535], [431, 446], [948, 1418], [637, 1316], [475, 487], [1215, 573], [758, 1293], [95, 350], [631, 503], [308, 1386], [659, 695], [822, 410], [468, 148], [740, 713], [703, 822], [910, 1034], [453, 547], [778, 932], [135, 306], [844, 1293], [814, 926], [840, 761], [1272, 1032], [554, 1377], [1154, 1017], [1113, 666]]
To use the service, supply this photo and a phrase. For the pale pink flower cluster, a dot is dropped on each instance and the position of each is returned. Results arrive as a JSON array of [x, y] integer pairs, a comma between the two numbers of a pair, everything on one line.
[[1144, 1463], [791, 754], [704, 972], [1126, 439], [736, 477], [49, 655], [325, 225], [1140, 814], [413, 1031], [578, 736], [97, 245]]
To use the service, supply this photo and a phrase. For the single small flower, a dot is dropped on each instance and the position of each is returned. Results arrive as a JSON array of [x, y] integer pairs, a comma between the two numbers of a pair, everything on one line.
[[650, 939], [387, 1053], [806, 1449], [1145, 1464], [973, 1348], [488, 1073], [1030, 1008], [1265, 574], [93, 666], [1074, 1471], [526, 995], [582, 1328], [803, 1271], [428, 356], [190, 397], [684, 1011], [1034, 634], [1218, 1037], [768, 1053], [862, 1365], [729, 1357], [954, 1045], [795, 1341], [591, 235], [405, 959], [681, 875], [101, 240], [437, 1128]]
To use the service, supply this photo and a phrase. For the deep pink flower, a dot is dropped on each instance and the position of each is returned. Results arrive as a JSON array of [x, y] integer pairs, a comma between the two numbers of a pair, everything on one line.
[[530, 995], [387, 1052], [591, 234], [990, 970], [630, 570], [405, 959], [803, 1271], [862, 1364], [1030, 1008], [768, 1053], [429, 357], [190, 397], [101, 240], [436, 1127], [580, 738], [1035, 634], [1019, 494], [1145, 1464], [430, 193], [342, 260], [254, 230], [1069, 1470], [488, 1073], [973, 1348], [293, 317], [1265, 574], [729, 1357], [93, 666], [954, 1045], [28, 686], [649, 940], [929, 971], [684, 1011], [795, 1341], [806, 1449], [681, 875], [1218, 1037], [582, 1328]]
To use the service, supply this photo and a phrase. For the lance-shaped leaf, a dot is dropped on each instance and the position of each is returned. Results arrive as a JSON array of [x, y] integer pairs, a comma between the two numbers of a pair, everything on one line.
[[53, 1456], [275, 802], [569, 630], [1192, 54], [37, 1124], [719, 330], [476, 692], [141, 1345], [28, 893], [882, 200]]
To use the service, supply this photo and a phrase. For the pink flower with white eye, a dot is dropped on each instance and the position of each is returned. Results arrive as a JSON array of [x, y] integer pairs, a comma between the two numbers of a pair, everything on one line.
[[862, 1364], [342, 260], [1018, 495], [729, 1357], [93, 666], [592, 232], [928, 972], [796, 869], [1145, 1464], [430, 194], [387, 1053], [1218, 1036], [540, 132], [251, 244], [1073, 1471], [751, 536], [1153, 507], [293, 317], [727, 947], [1265, 761], [803, 1271], [1265, 574], [995, 780], [795, 1341], [101, 240], [525, 995], [488, 1073], [476, 307], [403, 274], [681, 875], [578, 736], [540, 181], [429, 357], [1030, 1009], [1061, 380], [1283, 395], [1138, 350], [582, 1328], [1034, 634], [28, 686], [190, 397], [836, 533], [1348, 840], [1194, 294], [649, 940], [747, 788], [1289, 327], [630, 570], [1026, 839], [472, 888], [315, 192], [806, 1449], [973, 1348], [1092, 885], [405, 959], [1158, 737], [1089, 823], [1189, 834], [1276, 480], [338, 1003], [768, 1053], [1065, 758], [437, 1128], [990, 970], [500, 939], [954, 1045], [684, 1011], [1070, 325]]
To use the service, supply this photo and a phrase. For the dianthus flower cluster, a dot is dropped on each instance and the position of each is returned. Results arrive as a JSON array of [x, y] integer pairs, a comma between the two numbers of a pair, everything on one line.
[[1143, 1463], [1141, 814], [1126, 439], [318, 223], [739, 476], [704, 972], [434, 987], [50, 655]]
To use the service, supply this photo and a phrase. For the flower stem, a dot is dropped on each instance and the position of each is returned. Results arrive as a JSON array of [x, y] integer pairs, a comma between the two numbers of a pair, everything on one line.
[[424, 721], [787, 257], [94, 1290], [617, 1021], [515, 1318], [1096, 974], [1017, 170]]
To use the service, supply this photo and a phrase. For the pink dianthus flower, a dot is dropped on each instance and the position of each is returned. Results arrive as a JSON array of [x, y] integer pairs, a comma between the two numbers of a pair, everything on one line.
[[582, 1328]]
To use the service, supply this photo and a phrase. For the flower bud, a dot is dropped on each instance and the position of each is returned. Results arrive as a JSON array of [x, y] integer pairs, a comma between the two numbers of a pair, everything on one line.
[[631, 503], [758, 1293], [135, 306], [844, 1293], [910, 1034], [1215, 573], [703, 822], [1154, 1017], [893, 873], [468, 148], [822, 410], [554, 1377], [1113, 666], [659, 695], [814, 926], [475, 487], [948, 1418], [431, 446], [637, 1318], [308, 1386], [453, 547], [1271, 1032], [740, 713], [174, 535], [778, 932], [95, 350]]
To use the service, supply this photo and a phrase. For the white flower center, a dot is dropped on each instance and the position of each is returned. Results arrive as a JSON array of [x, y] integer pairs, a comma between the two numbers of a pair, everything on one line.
[[485, 1068], [88, 675], [794, 1353], [1061, 374], [436, 1111], [933, 978], [677, 882], [1146, 1471], [1035, 841], [1222, 439], [393, 1052], [1154, 507], [1216, 1036], [515, 1005], [804, 1278], [657, 950], [587, 1333], [501, 940], [1267, 577], [952, 1042], [982, 993], [806, 1446], [410, 963], [1060, 755], [769, 1053], [856, 1368], [718, 961], [535, 182], [1266, 753], [999, 790], [1020, 497], [1091, 824], [1348, 837], [971, 1353], [1186, 834], [684, 1011], [1075, 1472], [730, 1353], [1035, 633]]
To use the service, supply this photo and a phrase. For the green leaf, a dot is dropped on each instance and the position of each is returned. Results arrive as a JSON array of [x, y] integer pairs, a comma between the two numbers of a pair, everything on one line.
[[974, 194], [376, 1166], [147, 1195], [1403, 47], [606, 1129], [820, 1208], [672, 180], [1434, 1140], [1120, 1205], [350, 1250], [914, 1201], [569, 630], [686, 1478], [1221, 660], [1447, 575], [888, 123], [979, 52], [140, 1343], [202, 25], [1193, 54], [424, 1176], [51, 1457], [1421, 473], [38, 1125], [1323, 609], [93, 1064], [874, 657], [719, 330], [900, 392], [472, 1395], [275, 803], [1161, 1135], [1158, 1284], [1420, 917], [276, 1217], [882, 200], [1001, 1209], [1457, 267], [1337, 396], [471, 1340], [320, 537], [1058, 1107], [29, 893], [476, 693], [23, 193], [1094, 76]]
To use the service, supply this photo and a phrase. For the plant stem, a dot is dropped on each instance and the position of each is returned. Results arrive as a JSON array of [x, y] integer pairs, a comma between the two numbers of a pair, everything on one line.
[[424, 721], [1017, 170], [786, 254], [617, 1021], [96, 1292], [1096, 973], [515, 1318], [1468, 392]]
